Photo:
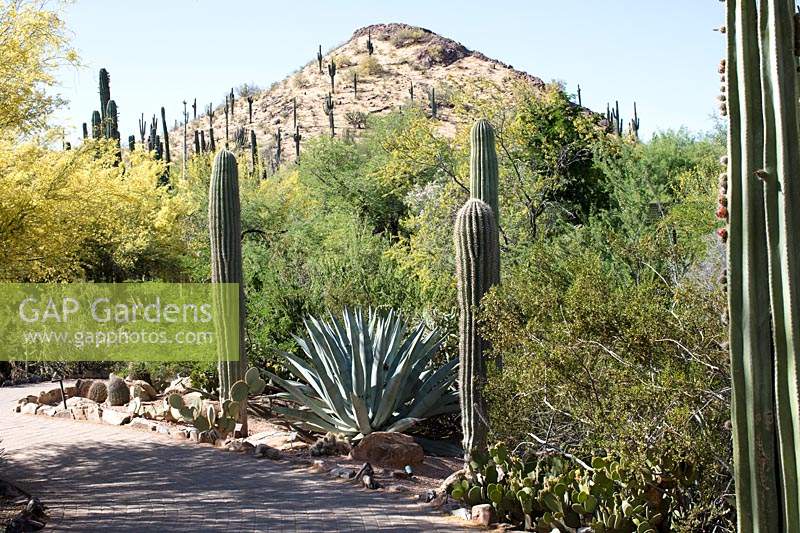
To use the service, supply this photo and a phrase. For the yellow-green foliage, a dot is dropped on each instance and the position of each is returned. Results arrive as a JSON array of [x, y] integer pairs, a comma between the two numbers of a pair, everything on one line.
[[370, 66], [406, 37]]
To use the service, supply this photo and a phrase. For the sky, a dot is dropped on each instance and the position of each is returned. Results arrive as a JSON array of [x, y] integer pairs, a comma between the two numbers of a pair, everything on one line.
[[661, 55]]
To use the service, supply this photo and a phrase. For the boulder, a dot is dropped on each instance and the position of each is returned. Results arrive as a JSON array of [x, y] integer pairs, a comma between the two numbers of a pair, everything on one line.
[[29, 408], [268, 452], [141, 423], [115, 418], [50, 397], [64, 413], [70, 390], [178, 385], [142, 390], [390, 449], [482, 514], [79, 401], [82, 387]]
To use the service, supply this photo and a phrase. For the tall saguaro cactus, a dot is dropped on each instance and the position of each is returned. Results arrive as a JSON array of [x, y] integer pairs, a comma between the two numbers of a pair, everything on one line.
[[105, 93], [477, 270], [763, 210], [483, 171], [225, 229], [327, 107], [164, 129]]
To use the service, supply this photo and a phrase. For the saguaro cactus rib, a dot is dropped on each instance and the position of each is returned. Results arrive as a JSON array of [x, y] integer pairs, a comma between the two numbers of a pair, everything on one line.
[[763, 166]]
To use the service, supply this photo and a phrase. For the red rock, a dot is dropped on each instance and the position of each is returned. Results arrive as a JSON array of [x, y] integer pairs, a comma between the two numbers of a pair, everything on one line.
[[389, 449]]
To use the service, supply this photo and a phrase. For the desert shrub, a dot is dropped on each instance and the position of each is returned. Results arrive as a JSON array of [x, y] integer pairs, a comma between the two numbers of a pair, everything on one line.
[[343, 60], [248, 89], [357, 119], [370, 66], [406, 36]]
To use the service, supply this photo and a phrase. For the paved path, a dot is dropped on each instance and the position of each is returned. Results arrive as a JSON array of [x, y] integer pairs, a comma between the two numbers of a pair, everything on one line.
[[96, 477]]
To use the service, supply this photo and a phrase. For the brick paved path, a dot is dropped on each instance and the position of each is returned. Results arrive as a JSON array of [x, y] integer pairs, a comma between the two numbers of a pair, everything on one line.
[[97, 477]]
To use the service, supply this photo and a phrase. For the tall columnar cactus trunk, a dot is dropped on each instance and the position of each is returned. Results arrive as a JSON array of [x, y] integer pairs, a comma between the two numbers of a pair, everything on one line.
[[253, 151], [97, 125], [328, 106], [762, 204], [105, 93], [225, 229], [165, 131], [297, 137], [483, 171], [85, 130], [477, 262], [196, 142]]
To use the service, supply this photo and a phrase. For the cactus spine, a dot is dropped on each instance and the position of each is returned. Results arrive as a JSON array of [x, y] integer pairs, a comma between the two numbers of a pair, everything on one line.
[[762, 236], [477, 261], [167, 158], [225, 231], [328, 106]]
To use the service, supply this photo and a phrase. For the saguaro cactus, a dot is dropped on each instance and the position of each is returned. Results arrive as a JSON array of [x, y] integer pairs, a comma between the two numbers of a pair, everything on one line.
[[225, 229], [477, 262], [332, 74], [411, 89], [328, 106], [202, 141], [762, 208], [633, 125], [250, 107], [97, 125], [142, 128], [85, 130], [319, 58], [483, 171], [253, 151], [297, 138], [131, 142], [226, 121], [370, 47], [355, 84], [434, 105], [105, 92], [278, 147], [167, 158], [196, 142]]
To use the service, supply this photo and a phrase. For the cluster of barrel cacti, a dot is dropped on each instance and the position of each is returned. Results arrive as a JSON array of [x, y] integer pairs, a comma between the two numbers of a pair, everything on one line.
[[759, 201], [477, 247]]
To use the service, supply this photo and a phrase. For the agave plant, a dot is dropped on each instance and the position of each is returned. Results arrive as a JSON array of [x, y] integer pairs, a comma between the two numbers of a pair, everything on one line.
[[363, 374]]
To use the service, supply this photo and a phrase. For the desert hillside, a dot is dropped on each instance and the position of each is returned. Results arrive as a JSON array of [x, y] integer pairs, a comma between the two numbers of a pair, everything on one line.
[[402, 55]]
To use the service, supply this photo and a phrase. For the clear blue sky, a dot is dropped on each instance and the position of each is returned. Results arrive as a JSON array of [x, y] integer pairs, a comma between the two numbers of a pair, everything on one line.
[[661, 54]]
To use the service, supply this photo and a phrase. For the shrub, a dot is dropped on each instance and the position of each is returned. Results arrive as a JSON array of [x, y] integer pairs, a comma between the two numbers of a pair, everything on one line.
[[370, 66], [357, 119], [407, 36], [300, 81]]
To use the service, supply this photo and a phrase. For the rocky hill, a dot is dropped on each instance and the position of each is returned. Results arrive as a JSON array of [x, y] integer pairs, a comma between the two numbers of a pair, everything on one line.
[[402, 56]]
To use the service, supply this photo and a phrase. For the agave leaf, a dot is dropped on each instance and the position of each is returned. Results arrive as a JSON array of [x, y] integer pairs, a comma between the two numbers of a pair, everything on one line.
[[301, 398], [403, 424], [308, 418]]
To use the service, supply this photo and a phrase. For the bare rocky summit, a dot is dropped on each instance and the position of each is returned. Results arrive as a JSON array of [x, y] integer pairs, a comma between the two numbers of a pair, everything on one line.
[[403, 56]]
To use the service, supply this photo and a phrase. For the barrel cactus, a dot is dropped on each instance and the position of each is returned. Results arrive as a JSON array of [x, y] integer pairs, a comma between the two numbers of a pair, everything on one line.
[[477, 270], [759, 197], [98, 392], [225, 229], [118, 392]]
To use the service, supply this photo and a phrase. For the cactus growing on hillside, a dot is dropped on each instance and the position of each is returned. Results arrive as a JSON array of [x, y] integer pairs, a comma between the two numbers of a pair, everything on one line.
[[202, 141], [580, 99], [278, 147], [483, 170], [319, 58], [332, 73], [85, 130], [370, 47], [167, 158], [477, 270], [225, 229], [633, 126], [434, 105], [411, 89], [142, 128], [111, 121], [613, 119], [232, 113], [239, 138], [105, 93], [194, 109], [355, 84], [294, 112], [250, 107], [131, 142], [211, 143], [97, 125], [226, 121], [196, 142], [328, 106], [297, 137], [118, 392], [759, 201], [253, 151]]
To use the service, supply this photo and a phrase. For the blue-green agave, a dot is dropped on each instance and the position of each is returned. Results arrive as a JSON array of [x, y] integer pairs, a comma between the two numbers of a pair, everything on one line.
[[366, 373]]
